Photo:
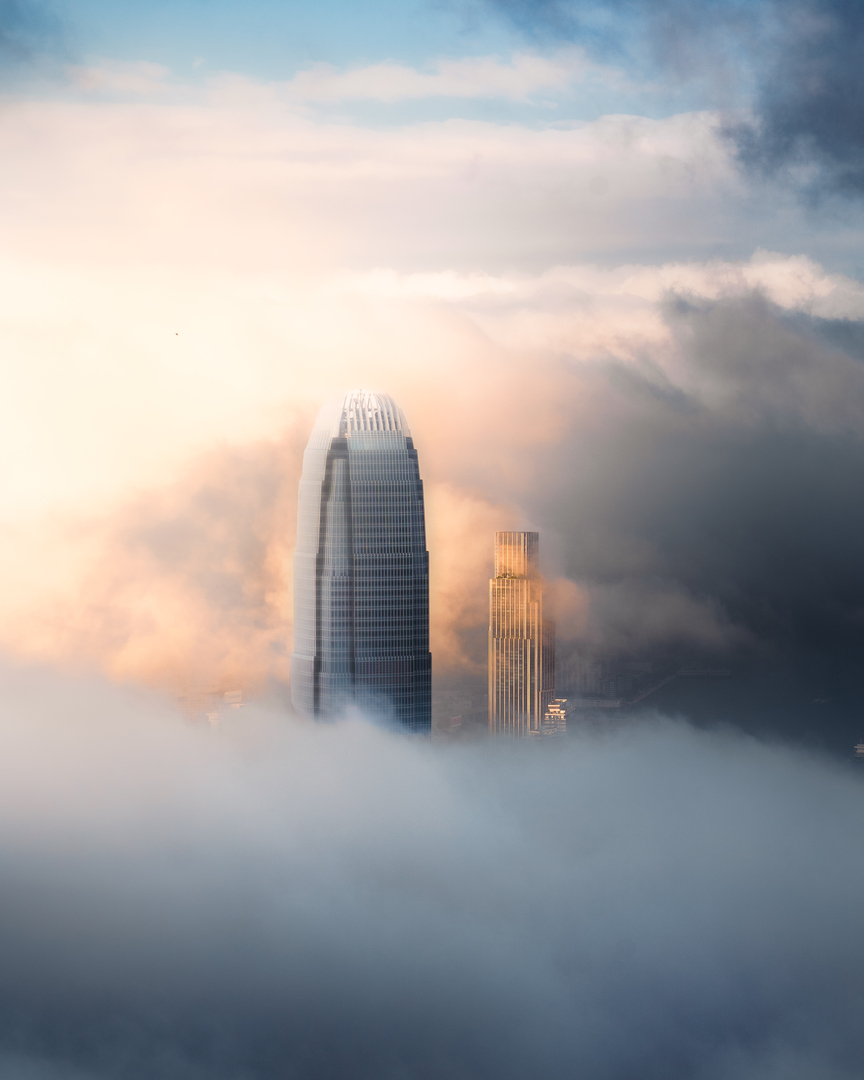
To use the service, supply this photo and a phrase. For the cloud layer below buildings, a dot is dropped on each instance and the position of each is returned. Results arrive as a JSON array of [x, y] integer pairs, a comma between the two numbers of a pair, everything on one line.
[[272, 900]]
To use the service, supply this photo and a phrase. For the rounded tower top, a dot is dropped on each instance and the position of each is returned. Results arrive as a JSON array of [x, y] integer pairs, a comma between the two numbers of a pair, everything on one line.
[[359, 412]]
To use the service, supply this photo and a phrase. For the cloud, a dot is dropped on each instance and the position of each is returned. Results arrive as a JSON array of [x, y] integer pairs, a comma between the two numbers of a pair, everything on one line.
[[695, 429], [289, 191], [636, 617], [714, 497], [185, 587], [130, 77], [275, 899], [525, 75], [796, 64], [809, 118], [689, 460], [193, 266], [188, 586]]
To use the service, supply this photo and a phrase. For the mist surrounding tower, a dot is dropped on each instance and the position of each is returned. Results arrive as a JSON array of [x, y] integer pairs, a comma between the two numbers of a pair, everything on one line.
[[361, 568], [521, 640]]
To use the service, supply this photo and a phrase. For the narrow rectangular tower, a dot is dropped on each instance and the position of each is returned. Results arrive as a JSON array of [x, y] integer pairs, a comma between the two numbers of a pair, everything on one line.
[[521, 643]]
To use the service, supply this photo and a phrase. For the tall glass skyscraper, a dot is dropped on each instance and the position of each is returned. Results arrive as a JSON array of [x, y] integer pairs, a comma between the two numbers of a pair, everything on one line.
[[361, 569], [521, 641]]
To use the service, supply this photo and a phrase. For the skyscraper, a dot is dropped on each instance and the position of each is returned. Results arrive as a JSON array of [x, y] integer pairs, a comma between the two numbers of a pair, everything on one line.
[[521, 642], [361, 569]]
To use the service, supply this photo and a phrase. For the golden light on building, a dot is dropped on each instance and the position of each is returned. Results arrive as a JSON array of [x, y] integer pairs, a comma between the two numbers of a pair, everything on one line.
[[521, 641]]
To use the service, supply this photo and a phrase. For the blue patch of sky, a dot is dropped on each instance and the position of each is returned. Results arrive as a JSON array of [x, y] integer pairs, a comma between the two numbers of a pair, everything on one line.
[[274, 39]]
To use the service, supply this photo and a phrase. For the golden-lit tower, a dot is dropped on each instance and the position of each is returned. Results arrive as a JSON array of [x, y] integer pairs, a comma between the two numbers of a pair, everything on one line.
[[521, 642]]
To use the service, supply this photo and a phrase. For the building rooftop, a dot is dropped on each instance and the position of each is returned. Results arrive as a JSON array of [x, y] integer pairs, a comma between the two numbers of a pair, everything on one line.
[[358, 412]]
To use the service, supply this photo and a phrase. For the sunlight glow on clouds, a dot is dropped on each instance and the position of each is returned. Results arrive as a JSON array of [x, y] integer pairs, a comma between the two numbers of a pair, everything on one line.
[[184, 281]]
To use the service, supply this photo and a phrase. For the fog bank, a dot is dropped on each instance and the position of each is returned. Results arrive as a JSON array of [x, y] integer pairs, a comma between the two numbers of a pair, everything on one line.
[[276, 899]]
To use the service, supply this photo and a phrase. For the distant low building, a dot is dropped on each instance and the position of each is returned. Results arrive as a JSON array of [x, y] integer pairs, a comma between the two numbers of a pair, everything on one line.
[[554, 719], [209, 703]]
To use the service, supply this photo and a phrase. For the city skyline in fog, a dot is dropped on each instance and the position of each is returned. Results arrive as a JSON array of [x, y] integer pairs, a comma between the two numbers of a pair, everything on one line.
[[611, 314], [607, 258]]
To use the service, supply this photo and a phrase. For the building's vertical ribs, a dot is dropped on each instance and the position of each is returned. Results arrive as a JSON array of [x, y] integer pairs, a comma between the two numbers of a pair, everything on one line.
[[521, 642]]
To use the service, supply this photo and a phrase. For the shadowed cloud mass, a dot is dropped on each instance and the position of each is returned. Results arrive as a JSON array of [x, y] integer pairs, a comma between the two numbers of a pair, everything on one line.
[[809, 114], [796, 64], [698, 435]]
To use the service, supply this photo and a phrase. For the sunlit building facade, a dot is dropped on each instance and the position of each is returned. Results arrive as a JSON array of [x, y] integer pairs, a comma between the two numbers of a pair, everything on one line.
[[521, 640], [361, 568]]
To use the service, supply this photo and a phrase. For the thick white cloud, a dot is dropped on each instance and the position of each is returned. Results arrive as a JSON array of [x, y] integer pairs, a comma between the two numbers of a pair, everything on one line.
[[525, 75], [268, 897], [176, 273]]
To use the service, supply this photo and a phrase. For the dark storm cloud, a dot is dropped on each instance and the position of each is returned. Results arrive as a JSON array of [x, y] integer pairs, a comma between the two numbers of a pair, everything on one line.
[[714, 506], [281, 900], [810, 103], [676, 33], [801, 63]]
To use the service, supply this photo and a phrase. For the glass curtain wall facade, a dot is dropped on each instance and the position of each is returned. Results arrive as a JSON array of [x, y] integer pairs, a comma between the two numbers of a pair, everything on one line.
[[521, 641], [361, 568]]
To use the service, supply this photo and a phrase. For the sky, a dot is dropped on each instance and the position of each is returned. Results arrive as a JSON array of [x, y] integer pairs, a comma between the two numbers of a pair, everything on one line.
[[608, 259]]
